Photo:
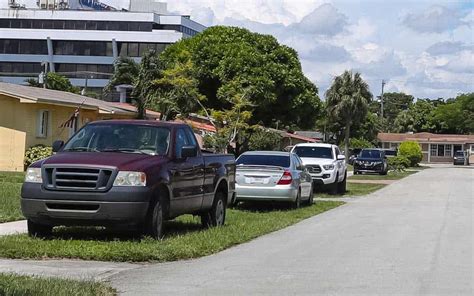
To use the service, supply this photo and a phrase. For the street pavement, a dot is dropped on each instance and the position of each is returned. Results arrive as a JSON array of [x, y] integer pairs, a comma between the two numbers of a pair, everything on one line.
[[413, 237]]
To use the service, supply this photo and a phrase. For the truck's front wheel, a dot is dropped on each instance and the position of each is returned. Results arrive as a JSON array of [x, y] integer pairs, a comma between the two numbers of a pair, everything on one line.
[[155, 222], [39, 230], [216, 215]]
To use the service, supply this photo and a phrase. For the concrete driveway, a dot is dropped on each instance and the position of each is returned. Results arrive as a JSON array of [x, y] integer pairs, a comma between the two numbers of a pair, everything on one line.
[[414, 237]]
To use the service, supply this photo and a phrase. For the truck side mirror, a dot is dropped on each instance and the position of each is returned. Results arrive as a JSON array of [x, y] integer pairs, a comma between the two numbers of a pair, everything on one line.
[[341, 157], [188, 151], [57, 145]]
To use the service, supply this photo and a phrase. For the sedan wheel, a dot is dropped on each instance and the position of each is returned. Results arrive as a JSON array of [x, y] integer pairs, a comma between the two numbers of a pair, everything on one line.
[[297, 202]]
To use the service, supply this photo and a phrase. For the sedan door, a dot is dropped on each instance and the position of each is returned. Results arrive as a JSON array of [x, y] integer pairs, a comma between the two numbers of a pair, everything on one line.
[[304, 176]]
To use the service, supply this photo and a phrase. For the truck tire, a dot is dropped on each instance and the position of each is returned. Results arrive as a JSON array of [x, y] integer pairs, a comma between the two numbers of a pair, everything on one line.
[[39, 230], [155, 221], [341, 187], [333, 188], [216, 215]]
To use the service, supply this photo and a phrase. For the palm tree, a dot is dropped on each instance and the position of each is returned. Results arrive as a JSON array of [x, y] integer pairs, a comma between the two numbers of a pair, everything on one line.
[[347, 102]]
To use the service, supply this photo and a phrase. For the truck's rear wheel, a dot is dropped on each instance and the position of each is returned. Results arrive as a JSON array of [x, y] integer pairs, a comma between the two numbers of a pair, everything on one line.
[[155, 221], [39, 230], [216, 215]]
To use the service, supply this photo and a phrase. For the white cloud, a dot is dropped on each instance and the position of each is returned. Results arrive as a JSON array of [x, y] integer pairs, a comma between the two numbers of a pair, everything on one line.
[[324, 20], [436, 19], [447, 47]]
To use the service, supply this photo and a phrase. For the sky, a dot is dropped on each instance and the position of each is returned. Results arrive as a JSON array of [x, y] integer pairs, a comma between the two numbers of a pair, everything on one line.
[[423, 48]]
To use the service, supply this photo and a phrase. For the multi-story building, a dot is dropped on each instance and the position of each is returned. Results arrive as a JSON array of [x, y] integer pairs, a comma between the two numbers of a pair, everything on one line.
[[83, 44]]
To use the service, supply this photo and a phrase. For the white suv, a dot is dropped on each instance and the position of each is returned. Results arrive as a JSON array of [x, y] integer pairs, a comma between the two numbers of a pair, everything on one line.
[[325, 164]]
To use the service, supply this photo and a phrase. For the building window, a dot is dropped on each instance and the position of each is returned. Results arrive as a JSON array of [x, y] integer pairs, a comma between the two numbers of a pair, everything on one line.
[[447, 150], [441, 150], [43, 119], [433, 149]]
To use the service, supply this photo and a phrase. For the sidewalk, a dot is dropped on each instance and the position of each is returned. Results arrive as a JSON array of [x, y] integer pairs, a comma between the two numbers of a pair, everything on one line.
[[13, 227]]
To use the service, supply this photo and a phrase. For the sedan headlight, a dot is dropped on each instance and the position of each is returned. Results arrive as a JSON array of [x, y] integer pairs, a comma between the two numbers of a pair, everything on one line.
[[328, 167], [33, 175], [126, 178]]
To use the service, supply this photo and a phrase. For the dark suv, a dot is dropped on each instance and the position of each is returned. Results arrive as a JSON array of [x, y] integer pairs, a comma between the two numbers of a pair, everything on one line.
[[461, 158], [371, 161]]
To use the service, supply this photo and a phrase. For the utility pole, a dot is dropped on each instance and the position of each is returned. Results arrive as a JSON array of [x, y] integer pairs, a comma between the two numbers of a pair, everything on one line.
[[381, 100]]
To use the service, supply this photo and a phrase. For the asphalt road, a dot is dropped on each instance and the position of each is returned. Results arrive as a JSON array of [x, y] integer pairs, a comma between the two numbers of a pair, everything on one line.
[[414, 237]]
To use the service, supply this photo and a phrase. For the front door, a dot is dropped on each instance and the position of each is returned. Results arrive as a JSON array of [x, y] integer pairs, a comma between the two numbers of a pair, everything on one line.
[[187, 176]]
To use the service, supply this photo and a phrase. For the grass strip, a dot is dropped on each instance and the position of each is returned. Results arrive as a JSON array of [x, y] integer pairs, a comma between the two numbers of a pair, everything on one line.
[[21, 285], [185, 238], [354, 189], [10, 187], [391, 175]]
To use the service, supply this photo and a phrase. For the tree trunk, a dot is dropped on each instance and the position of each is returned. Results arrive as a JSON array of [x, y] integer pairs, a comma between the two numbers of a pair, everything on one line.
[[346, 140]]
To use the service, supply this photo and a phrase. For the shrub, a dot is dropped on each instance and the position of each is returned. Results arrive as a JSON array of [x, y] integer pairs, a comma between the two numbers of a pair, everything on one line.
[[398, 163], [265, 140], [36, 153], [412, 151]]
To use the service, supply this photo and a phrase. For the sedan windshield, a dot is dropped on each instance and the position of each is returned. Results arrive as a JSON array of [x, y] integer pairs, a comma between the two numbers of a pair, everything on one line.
[[316, 152], [269, 160], [370, 154], [141, 139]]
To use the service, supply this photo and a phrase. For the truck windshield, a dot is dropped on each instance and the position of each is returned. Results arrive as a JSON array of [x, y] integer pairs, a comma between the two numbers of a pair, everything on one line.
[[315, 152], [269, 160], [141, 139], [370, 154]]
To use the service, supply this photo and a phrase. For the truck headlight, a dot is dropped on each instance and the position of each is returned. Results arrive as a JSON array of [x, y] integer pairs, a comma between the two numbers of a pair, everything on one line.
[[328, 167], [33, 175], [126, 178]]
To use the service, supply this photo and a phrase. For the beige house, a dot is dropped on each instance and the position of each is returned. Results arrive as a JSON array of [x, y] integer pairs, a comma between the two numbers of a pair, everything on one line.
[[436, 148], [30, 116]]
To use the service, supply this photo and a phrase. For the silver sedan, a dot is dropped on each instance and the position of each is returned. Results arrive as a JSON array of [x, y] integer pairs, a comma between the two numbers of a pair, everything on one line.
[[273, 176]]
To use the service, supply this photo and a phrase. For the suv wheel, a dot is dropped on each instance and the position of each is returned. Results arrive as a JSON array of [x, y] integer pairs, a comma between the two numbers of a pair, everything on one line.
[[216, 215], [39, 230]]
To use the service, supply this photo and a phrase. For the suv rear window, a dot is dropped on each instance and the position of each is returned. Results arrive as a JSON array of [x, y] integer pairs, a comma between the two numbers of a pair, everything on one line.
[[270, 160], [316, 152]]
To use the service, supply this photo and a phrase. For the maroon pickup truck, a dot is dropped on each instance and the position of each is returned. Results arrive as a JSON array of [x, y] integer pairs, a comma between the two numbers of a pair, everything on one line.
[[130, 173]]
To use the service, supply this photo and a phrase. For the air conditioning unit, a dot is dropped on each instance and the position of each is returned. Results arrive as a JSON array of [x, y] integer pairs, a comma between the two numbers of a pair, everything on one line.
[[53, 4]]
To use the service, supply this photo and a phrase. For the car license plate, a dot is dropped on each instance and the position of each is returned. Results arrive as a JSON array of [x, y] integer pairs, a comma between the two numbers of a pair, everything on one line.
[[251, 180]]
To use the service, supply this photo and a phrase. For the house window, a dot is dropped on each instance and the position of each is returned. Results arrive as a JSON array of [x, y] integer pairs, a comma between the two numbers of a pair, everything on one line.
[[447, 150], [43, 120], [441, 150], [433, 149]]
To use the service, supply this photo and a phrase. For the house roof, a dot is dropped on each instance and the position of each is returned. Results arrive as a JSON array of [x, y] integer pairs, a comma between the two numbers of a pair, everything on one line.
[[199, 125], [425, 137], [132, 108], [310, 134], [293, 136], [29, 94]]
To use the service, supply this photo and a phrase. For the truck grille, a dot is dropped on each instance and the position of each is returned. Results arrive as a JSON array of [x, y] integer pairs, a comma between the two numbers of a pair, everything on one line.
[[77, 178], [314, 169]]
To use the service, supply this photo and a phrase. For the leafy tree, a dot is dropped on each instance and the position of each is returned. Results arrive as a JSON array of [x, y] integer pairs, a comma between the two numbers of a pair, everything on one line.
[[418, 118], [227, 60], [360, 143], [262, 139], [412, 151], [456, 116], [125, 72], [394, 103], [55, 81], [347, 102]]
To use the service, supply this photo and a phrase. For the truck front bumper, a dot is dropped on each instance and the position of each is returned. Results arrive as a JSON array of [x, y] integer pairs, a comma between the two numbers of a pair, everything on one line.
[[118, 206], [324, 178]]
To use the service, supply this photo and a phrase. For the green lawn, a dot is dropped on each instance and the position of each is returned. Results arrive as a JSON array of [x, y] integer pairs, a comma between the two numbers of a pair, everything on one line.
[[354, 189], [10, 186], [184, 237], [19, 285], [391, 175]]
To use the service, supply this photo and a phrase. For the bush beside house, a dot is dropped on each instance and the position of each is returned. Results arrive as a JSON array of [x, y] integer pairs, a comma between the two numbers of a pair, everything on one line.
[[36, 153], [412, 151]]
